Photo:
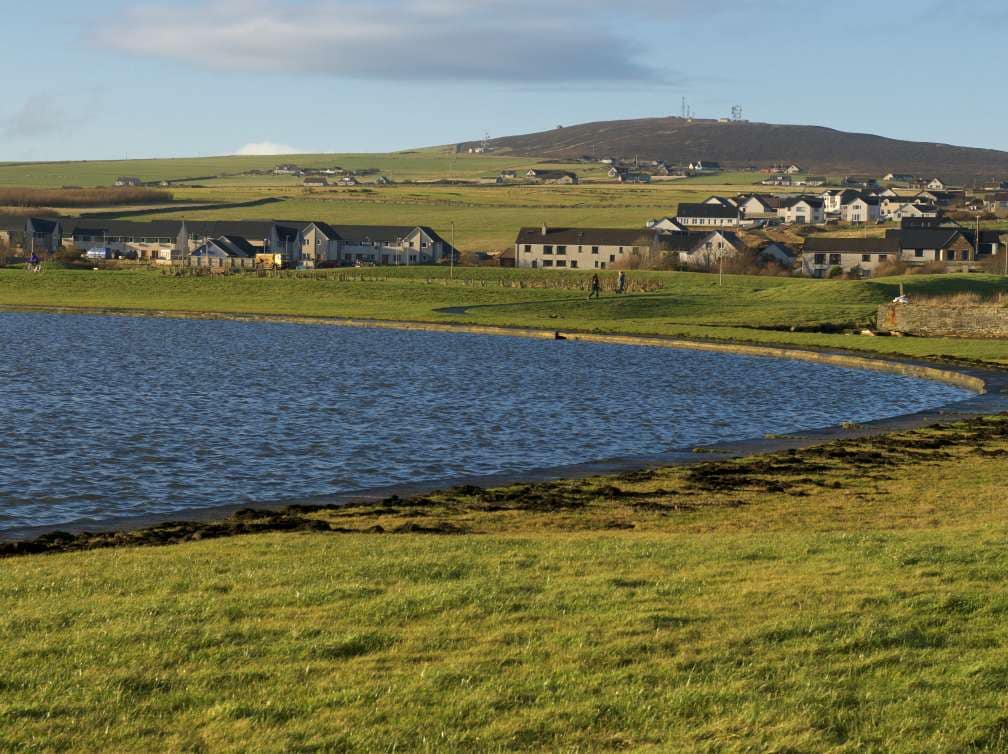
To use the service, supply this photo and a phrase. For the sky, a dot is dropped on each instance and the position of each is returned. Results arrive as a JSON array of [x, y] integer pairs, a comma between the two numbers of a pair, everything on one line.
[[112, 79]]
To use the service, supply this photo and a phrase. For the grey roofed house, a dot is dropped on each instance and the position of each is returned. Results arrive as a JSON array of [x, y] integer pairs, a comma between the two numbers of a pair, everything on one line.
[[781, 253], [927, 238], [710, 211], [812, 201], [877, 244], [689, 241], [238, 244], [586, 236]]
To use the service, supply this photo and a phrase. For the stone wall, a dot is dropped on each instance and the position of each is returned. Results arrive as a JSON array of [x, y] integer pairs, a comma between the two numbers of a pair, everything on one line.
[[976, 321]]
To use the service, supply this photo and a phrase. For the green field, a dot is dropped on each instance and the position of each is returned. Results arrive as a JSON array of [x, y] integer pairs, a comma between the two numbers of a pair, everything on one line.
[[693, 305]]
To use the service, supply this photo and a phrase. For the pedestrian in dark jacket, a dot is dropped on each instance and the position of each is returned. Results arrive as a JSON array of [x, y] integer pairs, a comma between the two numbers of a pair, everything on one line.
[[596, 288]]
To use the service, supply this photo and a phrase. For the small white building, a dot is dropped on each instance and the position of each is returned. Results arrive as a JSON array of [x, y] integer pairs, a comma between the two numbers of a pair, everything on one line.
[[802, 210]]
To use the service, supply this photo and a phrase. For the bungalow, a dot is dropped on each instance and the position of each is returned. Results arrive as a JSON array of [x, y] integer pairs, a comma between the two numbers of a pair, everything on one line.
[[898, 207], [717, 214], [287, 169], [822, 254], [936, 184], [128, 180], [580, 248], [942, 198], [802, 210], [934, 244], [860, 209], [315, 181], [552, 176]]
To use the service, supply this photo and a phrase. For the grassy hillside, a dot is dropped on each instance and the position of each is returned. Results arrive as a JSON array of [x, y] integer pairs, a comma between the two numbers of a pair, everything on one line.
[[424, 164], [821, 150], [756, 309], [845, 599]]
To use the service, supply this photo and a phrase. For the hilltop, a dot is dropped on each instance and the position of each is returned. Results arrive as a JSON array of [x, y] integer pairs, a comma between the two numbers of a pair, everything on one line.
[[741, 144]]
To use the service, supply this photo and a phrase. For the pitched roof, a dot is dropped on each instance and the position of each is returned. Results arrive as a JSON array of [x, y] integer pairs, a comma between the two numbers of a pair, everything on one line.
[[707, 211], [927, 238], [812, 201], [586, 236], [856, 245]]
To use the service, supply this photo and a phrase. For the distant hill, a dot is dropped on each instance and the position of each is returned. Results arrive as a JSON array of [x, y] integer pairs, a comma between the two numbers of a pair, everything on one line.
[[738, 145]]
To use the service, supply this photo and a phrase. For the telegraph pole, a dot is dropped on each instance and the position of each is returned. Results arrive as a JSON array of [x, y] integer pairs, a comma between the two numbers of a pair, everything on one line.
[[451, 262]]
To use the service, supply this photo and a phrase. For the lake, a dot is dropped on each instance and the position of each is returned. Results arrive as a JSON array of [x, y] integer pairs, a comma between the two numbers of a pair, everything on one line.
[[105, 417]]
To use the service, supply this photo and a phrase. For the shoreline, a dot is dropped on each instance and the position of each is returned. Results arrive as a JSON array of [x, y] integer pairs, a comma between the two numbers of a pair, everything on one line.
[[990, 384]]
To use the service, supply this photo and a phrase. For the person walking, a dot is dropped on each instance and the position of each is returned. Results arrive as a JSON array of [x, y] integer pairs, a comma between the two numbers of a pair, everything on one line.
[[621, 282], [596, 288]]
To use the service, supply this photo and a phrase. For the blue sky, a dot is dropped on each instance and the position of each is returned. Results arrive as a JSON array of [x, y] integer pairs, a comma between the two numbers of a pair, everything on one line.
[[152, 78]]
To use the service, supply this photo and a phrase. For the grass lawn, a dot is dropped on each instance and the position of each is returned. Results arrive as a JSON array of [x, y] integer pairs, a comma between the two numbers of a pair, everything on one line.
[[752, 309], [849, 598]]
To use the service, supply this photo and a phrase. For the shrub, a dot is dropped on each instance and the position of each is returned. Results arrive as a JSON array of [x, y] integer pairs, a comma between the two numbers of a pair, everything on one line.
[[835, 271]]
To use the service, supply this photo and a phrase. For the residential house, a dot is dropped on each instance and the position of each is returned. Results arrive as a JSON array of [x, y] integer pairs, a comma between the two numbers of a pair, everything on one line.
[[758, 205], [920, 245], [383, 180], [287, 169], [700, 250], [700, 215], [821, 255], [936, 184], [802, 210], [43, 235], [792, 169], [833, 200], [722, 200], [634, 176], [996, 201], [860, 209], [348, 180], [781, 254], [128, 180], [315, 181], [216, 251], [580, 248], [552, 176], [320, 243], [898, 207]]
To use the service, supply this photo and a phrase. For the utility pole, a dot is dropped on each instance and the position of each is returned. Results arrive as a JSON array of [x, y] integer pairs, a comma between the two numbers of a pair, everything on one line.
[[451, 262]]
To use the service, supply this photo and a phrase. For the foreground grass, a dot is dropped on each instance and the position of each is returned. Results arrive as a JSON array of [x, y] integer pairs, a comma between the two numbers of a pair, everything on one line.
[[850, 598], [692, 305]]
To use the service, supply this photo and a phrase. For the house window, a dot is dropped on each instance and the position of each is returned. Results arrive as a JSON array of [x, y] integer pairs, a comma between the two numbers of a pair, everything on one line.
[[918, 252], [573, 263], [561, 263], [580, 249], [528, 248], [547, 263], [612, 257], [535, 263], [883, 257], [835, 259], [596, 264], [594, 249], [866, 257], [561, 250], [547, 249], [602, 265], [634, 250]]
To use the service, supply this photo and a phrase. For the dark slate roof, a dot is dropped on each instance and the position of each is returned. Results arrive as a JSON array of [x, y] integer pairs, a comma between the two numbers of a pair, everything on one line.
[[586, 236], [40, 224], [240, 243], [927, 238], [859, 245], [812, 201], [707, 211]]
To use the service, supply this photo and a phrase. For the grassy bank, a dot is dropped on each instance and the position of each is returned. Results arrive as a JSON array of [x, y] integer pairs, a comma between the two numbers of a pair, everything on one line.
[[847, 598], [690, 305]]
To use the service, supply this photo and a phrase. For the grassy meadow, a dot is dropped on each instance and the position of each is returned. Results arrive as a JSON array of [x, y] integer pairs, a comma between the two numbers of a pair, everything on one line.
[[848, 598], [753, 309]]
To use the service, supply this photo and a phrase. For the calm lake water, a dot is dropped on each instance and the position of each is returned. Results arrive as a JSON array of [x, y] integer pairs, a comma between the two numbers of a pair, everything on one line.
[[104, 417]]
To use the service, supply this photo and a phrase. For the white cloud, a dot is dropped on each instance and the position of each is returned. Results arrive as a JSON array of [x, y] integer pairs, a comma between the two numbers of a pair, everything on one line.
[[415, 40], [262, 148]]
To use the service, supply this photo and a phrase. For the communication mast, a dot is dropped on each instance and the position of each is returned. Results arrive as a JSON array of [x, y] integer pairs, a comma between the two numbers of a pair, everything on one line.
[[736, 113]]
